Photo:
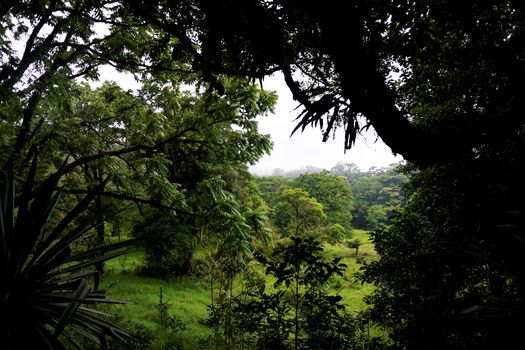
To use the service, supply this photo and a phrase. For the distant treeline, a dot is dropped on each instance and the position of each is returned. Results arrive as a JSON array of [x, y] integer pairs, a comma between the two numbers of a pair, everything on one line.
[[369, 197]]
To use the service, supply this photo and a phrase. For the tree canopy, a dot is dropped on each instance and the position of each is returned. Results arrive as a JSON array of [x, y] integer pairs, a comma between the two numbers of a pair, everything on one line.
[[443, 52], [345, 55]]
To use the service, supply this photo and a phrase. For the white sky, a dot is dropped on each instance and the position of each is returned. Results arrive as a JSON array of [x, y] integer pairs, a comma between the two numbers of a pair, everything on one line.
[[307, 148]]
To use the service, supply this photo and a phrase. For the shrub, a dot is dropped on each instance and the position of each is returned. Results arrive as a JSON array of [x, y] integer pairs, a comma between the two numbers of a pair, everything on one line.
[[167, 244]]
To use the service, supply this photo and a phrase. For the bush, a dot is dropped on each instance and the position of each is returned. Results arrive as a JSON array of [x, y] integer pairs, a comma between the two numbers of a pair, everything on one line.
[[336, 233], [167, 245], [298, 313]]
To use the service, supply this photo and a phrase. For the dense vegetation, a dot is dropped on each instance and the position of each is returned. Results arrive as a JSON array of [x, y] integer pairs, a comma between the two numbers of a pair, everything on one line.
[[441, 82], [202, 317], [350, 197], [284, 292]]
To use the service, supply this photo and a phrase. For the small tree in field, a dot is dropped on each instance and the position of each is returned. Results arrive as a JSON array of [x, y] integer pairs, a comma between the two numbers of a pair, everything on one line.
[[316, 320], [355, 244]]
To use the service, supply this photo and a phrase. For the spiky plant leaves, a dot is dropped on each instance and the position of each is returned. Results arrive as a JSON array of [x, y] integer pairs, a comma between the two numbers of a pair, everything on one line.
[[44, 286]]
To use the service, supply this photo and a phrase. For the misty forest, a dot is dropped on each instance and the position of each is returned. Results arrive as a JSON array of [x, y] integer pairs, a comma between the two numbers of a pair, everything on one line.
[[129, 218]]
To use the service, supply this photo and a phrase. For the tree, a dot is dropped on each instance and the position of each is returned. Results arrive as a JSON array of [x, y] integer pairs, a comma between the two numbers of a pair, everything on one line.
[[167, 242], [333, 192], [381, 189], [376, 216], [356, 244], [300, 305], [348, 170], [307, 40], [298, 214], [454, 253], [336, 234], [121, 145], [271, 187]]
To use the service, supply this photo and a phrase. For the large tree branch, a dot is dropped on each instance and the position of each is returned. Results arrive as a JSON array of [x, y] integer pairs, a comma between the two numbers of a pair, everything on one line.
[[178, 137], [200, 61], [24, 133], [31, 51], [365, 87], [122, 196], [137, 200]]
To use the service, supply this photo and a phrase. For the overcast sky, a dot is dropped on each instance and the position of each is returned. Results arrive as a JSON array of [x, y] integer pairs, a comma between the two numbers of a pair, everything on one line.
[[307, 148]]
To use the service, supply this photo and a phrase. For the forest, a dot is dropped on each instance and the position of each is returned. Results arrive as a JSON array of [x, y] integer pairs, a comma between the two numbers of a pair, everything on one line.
[[129, 219]]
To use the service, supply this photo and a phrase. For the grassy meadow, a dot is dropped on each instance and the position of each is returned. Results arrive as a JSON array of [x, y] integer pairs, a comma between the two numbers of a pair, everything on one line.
[[189, 297]]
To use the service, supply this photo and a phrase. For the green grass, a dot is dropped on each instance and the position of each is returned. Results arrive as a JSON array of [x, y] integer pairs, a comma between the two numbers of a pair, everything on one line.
[[187, 298], [188, 301], [349, 288], [361, 234]]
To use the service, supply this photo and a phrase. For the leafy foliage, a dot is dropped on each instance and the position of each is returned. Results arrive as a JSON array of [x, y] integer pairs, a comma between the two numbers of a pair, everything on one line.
[[333, 192], [298, 213], [298, 313], [167, 244], [456, 108], [377, 194], [450, 262], [294, 202], [317, 318]]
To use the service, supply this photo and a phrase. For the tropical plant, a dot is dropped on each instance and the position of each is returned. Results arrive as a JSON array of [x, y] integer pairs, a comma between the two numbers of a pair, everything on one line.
[[355, 244], [46, 300], [296, 313], [300, 267]]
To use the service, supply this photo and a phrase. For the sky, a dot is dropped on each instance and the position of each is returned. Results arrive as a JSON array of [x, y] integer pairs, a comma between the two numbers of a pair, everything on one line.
[[307, 149]]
